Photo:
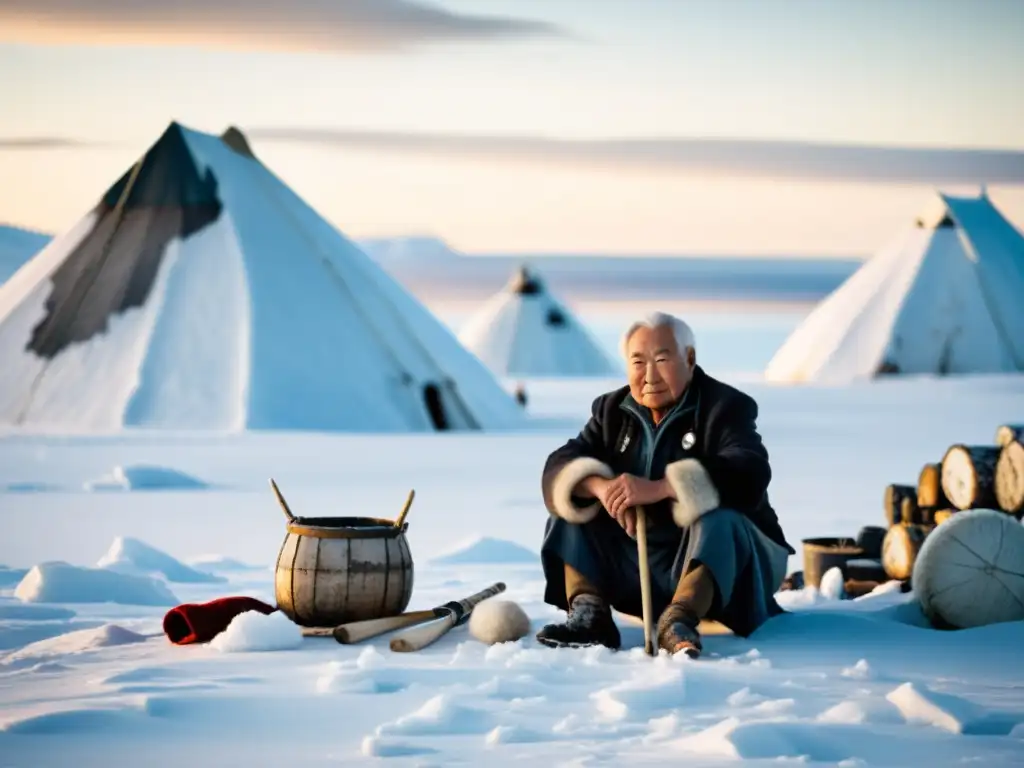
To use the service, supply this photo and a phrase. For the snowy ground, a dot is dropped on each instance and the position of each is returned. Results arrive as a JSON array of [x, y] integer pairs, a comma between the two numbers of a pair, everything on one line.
[[851, 683]]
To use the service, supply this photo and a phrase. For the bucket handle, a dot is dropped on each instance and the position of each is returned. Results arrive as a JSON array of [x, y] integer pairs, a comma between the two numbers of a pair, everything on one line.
[[281, 501], [405, 508]]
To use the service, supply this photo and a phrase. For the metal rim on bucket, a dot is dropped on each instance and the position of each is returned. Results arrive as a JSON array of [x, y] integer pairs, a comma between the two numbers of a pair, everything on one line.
[[840, 545], [346, 527]]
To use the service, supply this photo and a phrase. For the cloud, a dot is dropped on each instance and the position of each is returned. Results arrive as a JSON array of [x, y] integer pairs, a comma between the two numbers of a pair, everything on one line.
[[727, 157], [304, 25], [40, 142]]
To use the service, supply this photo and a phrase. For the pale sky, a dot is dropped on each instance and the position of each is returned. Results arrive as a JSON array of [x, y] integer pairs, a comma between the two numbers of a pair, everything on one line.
[[463, 118]]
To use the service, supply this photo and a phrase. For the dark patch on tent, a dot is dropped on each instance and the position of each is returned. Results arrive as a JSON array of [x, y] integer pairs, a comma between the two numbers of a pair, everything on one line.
[[432, 399], [945, 223], [555, 318], [163, 198], [525, 284]]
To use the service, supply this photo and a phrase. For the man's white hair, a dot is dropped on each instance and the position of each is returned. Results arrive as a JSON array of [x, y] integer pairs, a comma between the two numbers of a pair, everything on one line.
[[680, 330]]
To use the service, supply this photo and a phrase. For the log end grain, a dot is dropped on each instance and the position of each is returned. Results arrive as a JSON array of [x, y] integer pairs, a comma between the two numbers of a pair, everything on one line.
[[900, 548], [929, 487], [968, 475], [1010, 478]]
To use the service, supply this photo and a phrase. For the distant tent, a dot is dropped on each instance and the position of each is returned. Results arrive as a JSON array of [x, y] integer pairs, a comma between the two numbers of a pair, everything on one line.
[[944, 297], [524, 331], [17, 246], [202, 292]]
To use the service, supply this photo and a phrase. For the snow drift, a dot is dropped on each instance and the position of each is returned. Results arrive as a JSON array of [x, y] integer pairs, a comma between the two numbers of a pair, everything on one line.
[[140, 477], [484, 549], [59, 582], [131, 556], [254, 631], [79, 641]]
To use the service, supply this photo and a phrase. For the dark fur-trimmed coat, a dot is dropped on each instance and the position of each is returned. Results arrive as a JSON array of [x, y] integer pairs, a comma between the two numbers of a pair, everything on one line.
[[708, 448]]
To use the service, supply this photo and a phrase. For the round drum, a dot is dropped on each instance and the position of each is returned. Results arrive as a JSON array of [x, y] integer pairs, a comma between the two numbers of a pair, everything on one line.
[[333, 570]]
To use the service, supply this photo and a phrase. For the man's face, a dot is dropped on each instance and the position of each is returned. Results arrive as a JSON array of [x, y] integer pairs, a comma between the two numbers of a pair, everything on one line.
[[658, 373]]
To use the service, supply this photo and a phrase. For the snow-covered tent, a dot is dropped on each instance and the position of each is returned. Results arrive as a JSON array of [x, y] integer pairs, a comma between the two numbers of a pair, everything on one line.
[[944, 297], [202, 292], [524, 331], [16, 247]]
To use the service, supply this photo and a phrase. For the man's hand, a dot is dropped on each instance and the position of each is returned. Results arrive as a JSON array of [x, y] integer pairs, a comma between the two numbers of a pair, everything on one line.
[[623, 494]]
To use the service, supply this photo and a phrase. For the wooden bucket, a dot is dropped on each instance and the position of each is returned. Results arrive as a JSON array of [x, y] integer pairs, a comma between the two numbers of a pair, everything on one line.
[[822, 554], [332, 570]]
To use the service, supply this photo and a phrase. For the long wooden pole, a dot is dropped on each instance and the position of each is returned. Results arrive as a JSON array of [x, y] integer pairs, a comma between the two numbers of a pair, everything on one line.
[[645, 579]]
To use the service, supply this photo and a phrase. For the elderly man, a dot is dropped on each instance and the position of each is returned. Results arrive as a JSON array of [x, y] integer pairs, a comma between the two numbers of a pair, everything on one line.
[[686, 447]]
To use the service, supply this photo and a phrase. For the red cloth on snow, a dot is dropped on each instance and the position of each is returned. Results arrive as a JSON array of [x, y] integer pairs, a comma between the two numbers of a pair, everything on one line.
[[201, 622]]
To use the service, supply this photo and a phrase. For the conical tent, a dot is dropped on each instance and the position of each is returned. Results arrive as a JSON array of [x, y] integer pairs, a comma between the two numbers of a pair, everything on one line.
[[524, 331], [941, 298], [202, 292]]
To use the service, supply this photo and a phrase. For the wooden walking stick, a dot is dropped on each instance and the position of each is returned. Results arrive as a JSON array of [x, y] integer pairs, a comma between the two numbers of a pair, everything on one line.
[[645, 579]]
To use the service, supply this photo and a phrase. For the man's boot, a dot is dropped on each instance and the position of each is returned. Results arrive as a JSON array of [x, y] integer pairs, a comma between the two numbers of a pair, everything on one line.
[[589, 623], [677, 626], [677, 630]]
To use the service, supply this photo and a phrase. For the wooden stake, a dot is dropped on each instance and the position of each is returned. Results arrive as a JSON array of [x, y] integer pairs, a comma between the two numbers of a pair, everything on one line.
[[645, 580], [405, 509], [281, 501]]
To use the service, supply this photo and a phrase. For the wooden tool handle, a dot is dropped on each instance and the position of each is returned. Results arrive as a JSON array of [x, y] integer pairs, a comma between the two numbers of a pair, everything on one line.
[[452, 613], [422, 636], [645, 579], [281, 501], [473, 600], [357, 631], [405, 509]]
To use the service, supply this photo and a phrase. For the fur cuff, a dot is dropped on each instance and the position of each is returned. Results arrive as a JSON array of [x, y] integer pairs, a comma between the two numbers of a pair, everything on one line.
[[565, 482], [696, 494]]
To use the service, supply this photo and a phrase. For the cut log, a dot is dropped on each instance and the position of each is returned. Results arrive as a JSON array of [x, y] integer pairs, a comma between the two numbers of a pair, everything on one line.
[[942, 515], [893, 502], [926, 516], [795, 580], [870, 538], [1010, 478], [913, 514], [910, 513], [929, 487], [900, 548], [969, 476], [1007, 433], [855, 588]]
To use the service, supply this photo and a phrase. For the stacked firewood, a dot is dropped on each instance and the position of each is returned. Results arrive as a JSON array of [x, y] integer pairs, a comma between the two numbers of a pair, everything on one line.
[[967, 477]]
